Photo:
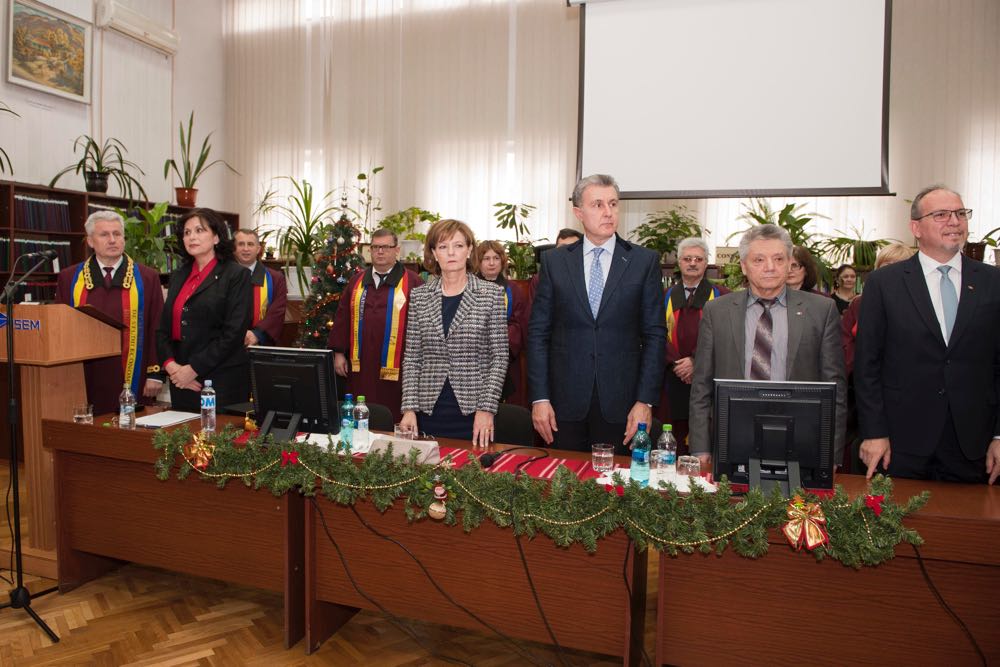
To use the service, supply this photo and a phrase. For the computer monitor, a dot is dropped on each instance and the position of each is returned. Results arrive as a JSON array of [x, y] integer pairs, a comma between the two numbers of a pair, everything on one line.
[[775, 433], [294, 390]]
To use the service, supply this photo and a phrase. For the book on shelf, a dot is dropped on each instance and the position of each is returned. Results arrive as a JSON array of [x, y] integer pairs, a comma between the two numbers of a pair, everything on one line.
[[43, 215]]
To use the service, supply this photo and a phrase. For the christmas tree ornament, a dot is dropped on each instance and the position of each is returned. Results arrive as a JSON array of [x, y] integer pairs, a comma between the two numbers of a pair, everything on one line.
[[329, 269], [806, 525], [199, 451], [438, 509]]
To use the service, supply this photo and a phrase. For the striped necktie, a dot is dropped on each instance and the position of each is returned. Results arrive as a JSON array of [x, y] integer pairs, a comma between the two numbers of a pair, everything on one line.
[[763, 342]]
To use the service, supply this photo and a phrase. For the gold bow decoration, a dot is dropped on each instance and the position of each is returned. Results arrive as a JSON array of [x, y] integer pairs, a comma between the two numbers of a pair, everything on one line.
[[199, 451], [806, 525]]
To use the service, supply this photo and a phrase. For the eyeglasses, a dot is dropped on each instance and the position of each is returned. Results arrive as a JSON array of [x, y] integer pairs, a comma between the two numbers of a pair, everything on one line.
[[693, 260], [794, 266], [382, 248], [961, 214]]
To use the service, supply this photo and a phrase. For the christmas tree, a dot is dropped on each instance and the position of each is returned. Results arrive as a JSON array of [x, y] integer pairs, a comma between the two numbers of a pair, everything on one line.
[[332, 270]]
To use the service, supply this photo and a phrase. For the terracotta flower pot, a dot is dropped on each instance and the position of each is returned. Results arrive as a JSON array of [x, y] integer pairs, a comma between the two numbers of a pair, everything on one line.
[[186, 196]]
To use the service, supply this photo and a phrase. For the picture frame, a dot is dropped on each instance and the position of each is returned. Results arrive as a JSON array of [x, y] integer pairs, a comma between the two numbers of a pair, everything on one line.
[[49, 50]]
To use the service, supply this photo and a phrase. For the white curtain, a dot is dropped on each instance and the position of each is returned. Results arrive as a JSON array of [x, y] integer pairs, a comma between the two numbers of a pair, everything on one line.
[[464, 102]]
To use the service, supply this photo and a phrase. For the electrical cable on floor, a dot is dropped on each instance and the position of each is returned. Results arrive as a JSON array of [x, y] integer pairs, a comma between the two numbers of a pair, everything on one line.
[[944, 605], [471, 614], [395, 620]]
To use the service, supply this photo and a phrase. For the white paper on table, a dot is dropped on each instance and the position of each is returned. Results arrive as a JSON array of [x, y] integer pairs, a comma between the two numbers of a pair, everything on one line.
[[361, 442], [165, 418], [680, 481]]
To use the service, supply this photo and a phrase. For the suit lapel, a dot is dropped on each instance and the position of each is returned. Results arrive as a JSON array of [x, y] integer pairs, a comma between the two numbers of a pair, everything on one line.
[[619, 264], [970, 289], [795, 306], [464, 306], [257, 276], [437, 325], [916, 285], [574, 260], [210, 279], [738, 330]]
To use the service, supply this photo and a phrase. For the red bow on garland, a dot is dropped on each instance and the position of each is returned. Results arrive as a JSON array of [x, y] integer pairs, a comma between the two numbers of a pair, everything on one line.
[[874, 503], [289, 458]]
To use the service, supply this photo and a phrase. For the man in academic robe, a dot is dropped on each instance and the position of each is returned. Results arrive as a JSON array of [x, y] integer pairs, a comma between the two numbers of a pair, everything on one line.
[[270, 292], [128, 292], [369, 330], [683, 304]]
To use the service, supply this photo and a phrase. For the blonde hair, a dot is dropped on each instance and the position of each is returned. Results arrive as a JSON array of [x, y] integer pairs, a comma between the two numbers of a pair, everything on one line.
[[443, 230], [892, 253], [496, 247]]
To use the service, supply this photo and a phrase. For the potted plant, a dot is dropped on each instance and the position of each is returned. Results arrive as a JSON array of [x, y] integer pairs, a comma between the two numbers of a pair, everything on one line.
[[368, 202], [520, 251], [854, 250], [404, 225], [101, 162], [663, 230], [989, 240], [189, 171], [308, 218], [3, 154], [147, 237]]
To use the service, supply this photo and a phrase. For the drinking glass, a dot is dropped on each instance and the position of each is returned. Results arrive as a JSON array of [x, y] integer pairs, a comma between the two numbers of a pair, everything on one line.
[[401, 432], [83, 413], [602, 457], [689, 465]]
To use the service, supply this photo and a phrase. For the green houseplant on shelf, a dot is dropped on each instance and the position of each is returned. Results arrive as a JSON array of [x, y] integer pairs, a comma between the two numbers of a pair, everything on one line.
[[4, 158], [101, 162], [190, 170], [520, 251], [404, 224], [663, 230], [308, 219], [854, 250], [147, 240]]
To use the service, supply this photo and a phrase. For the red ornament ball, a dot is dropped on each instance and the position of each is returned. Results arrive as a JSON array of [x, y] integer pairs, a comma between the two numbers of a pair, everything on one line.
[[329, 269]]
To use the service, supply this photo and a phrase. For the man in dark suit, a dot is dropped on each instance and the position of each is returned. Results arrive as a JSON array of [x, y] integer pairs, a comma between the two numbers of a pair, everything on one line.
[[768, 332], [596, 335], [927, 362], [270, 292]]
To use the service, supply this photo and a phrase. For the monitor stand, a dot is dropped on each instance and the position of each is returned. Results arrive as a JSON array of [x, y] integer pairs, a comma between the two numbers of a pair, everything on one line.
[[787, 485], [284, 426]]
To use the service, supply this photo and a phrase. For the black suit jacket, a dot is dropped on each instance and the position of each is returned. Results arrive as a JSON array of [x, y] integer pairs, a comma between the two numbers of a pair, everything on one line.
[[214, 321], [906, 378], [621, 349]]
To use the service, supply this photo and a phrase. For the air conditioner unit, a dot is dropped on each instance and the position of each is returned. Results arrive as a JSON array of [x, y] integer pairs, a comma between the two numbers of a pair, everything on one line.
[[122, 19]]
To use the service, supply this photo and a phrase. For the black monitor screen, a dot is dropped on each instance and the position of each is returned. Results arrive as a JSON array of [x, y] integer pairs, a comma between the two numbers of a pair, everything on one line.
[[775, 423], [288, 381]]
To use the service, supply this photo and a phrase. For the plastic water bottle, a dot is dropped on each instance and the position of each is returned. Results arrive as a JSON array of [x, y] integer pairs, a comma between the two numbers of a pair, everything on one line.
[[641, 445], [347, 411], [361, 416], [667, 446], [208, 408], [346, 432], [126, 409]]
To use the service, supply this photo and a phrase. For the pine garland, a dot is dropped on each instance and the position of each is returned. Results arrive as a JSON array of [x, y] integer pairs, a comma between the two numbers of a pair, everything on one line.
[[862, 532]]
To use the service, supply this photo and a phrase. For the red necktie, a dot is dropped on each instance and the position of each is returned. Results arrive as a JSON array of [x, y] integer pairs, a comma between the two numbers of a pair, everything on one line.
[[107, 276]]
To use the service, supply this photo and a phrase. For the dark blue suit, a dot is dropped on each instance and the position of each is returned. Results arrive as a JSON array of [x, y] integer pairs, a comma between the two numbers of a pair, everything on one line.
[[618, 354], [934, 401]]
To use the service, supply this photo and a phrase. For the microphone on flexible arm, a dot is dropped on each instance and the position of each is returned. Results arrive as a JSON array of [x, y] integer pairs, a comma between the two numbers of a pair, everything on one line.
[[46, 254]]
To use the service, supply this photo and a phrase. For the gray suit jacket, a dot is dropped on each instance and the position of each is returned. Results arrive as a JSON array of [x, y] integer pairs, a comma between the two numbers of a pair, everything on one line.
[[473, 356], [814, 355]]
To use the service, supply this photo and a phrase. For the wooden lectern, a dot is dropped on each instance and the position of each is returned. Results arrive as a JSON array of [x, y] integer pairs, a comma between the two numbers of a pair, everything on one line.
[[51, 342]]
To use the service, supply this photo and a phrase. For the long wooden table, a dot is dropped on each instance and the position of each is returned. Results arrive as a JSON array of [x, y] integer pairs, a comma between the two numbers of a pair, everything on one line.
[[111, 508], [594, 602], [785, 608]]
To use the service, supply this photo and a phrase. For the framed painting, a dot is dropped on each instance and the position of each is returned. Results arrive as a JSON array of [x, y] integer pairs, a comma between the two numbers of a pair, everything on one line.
[[49, 50]]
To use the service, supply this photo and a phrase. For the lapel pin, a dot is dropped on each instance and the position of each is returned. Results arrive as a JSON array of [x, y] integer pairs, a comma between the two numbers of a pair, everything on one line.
[[970, 287]]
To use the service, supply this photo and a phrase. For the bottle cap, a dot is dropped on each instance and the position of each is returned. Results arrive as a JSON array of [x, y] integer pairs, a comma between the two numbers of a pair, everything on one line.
[[668, 427], [349, 397], [208, 383], [361, 399], [642, 426]]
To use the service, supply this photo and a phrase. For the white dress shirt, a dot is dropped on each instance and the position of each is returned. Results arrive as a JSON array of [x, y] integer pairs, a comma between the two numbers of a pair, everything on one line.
[[933, 277]]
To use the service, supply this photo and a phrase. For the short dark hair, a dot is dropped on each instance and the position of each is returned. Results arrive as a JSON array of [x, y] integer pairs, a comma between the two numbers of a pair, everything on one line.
[[567, 233], [248, 232], [386, 232], [805, 258], [224, 249]]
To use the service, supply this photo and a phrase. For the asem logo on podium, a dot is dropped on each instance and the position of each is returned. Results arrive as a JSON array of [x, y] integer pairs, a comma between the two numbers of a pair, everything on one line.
[[21, 323]]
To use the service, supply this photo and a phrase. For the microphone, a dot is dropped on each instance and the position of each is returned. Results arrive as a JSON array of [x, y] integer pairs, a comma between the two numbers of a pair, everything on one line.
[[47, 254]]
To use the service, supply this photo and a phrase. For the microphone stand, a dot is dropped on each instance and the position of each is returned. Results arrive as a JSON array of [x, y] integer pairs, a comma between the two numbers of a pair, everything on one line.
[[20, 597]]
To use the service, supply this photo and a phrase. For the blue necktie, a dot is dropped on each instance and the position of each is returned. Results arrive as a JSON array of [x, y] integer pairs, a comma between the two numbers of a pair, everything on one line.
[[949, 301], [596, 282]]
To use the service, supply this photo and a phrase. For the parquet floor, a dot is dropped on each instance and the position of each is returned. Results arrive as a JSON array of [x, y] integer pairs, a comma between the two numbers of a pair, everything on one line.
[[145, 616]]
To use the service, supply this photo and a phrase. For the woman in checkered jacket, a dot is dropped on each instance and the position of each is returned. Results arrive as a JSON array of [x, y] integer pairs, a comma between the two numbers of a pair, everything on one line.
[[456, 342]]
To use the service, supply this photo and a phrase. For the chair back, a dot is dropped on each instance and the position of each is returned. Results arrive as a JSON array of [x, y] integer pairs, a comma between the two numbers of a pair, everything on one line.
[[380, 418], [512, 426]]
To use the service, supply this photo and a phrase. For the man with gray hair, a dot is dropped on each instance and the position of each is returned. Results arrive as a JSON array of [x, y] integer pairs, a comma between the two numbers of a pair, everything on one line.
[[596, 335], [683, 304], [928, 353], [766, 333], [126, 291]]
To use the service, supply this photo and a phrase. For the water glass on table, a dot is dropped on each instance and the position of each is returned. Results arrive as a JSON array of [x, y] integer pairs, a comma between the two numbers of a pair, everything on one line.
[[400, 432], [602, 457], [689, 465], [83, 413]]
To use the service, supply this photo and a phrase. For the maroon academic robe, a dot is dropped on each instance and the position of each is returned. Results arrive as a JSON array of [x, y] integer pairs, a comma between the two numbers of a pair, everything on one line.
[[104, 377], [367, 382], [682, 341], [268, 330], [517, 332]]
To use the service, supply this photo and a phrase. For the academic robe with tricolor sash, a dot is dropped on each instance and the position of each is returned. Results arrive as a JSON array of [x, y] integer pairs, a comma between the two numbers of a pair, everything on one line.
[[516, 311], [105, 377], [368, 380], [270, 297], [683, 316]]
